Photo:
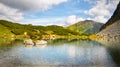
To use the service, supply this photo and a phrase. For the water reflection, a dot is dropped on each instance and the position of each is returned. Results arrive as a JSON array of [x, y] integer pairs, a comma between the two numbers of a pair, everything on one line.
[[66, 52], [113, 46], [40, 46], [39, 43]]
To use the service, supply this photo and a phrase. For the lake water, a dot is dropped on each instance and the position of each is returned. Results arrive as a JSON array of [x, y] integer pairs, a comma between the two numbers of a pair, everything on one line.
[[57, 53]]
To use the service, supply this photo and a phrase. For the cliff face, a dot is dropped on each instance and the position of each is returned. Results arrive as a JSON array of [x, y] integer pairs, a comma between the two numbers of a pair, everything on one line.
[[115, 17], [110, 33], [111, 30]]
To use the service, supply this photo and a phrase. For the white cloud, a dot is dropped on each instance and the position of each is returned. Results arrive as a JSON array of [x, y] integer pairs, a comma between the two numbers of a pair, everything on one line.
[[98, 19], [80, 19], [13, 10], [61, 21], [10, 14], [32, 5], [101, 9], [45, 21], [73, 19]]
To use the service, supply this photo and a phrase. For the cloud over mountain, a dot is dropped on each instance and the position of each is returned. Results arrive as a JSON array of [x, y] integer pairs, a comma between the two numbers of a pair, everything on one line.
[[63, 11], [101, 9], [9, 13], [14, 10], [31, 5]]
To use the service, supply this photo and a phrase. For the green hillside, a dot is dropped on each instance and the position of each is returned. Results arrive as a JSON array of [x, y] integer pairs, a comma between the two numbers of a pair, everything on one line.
[[8, 28], [86, 27], [4, 31], [19, 29]]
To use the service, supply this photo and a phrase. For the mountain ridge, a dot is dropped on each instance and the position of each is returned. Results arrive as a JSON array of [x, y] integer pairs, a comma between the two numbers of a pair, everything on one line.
[[86, 27], [19, 29]]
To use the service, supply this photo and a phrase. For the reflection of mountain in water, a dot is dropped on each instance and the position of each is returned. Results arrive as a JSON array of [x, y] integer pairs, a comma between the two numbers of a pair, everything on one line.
[[6, 44], [70, 53], [113, 46], [78, 42], [110, 33]]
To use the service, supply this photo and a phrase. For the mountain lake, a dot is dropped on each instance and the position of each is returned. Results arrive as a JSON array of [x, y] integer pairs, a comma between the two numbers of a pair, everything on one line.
[[58, 53]]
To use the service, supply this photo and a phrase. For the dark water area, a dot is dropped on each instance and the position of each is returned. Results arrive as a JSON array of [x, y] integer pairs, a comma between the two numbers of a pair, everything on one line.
[[60, 53], [113, 46]]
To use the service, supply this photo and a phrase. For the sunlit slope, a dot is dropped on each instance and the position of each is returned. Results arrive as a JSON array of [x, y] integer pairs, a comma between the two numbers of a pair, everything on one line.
[[19, 29], [86, 27], [4, 31]]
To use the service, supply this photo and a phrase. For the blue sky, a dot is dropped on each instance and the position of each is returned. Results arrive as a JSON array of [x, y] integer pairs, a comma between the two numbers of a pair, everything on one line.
[[56, 12]]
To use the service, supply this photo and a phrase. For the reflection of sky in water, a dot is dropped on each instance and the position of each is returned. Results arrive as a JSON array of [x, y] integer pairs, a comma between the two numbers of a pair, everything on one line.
[[64, 54]]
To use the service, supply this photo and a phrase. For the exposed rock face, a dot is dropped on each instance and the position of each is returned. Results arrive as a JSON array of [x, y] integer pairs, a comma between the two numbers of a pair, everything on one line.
[[115, 17], [111, 30], [110, 33]]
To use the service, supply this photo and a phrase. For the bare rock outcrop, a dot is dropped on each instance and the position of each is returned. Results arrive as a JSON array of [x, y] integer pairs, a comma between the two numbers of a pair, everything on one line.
[[111, 30], [115, 17]]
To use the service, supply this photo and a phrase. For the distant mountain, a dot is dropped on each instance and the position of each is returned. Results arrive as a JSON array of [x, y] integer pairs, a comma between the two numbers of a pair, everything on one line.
[[86, 27], [112, 28]]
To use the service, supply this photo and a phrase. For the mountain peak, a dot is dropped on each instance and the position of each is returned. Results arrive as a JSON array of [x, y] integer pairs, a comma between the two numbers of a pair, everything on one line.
[[89, 21], [86, 27]]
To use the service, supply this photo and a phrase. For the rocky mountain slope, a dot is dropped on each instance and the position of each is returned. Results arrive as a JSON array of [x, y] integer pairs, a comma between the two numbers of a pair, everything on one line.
[[114, 17], [86, 27], [111, 30]]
